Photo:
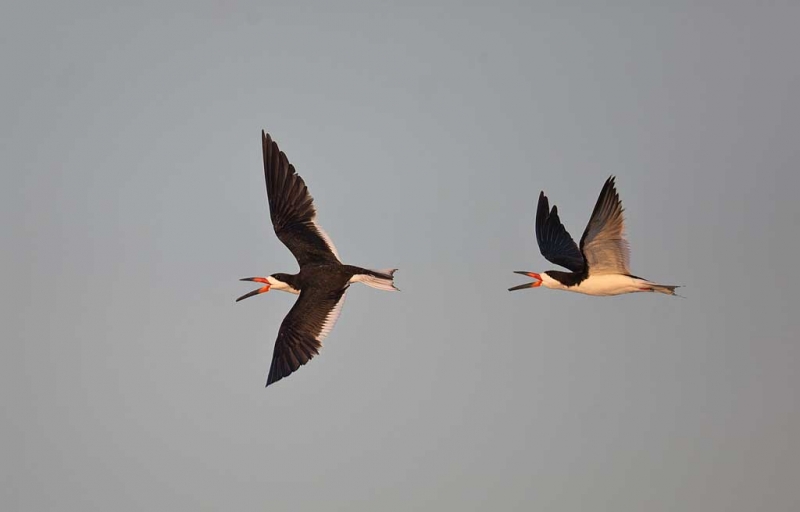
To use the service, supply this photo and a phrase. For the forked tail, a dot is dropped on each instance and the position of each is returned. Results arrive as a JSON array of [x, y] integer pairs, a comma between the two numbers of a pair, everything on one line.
[[381, 279], [663, 288]]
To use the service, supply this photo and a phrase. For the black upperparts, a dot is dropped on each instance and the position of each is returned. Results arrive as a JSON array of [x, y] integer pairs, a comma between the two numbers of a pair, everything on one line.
[[291, 208], [555, 243], [568, 278]]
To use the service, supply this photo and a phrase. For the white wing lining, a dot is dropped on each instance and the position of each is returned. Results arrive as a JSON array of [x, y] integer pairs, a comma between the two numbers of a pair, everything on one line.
[[325, 237], [330, 319], [604, 243]]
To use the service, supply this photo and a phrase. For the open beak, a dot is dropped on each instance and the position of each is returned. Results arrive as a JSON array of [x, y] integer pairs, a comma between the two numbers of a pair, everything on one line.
[[263, 289], [534, 284]]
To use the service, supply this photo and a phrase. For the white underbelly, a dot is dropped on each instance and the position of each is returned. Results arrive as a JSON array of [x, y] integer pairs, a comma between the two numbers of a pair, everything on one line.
[[610, 284]]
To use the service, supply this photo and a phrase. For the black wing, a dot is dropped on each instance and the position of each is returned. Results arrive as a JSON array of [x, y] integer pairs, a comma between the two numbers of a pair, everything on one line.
[[292, 210], [603, 243], [555, 243], [300, 337]]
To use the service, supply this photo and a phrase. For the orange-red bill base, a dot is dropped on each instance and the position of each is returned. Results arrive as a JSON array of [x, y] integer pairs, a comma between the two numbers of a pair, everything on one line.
[[263, 289]]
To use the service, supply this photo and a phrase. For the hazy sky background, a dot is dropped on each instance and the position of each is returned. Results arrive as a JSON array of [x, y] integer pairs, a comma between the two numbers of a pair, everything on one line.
[[133, 199]]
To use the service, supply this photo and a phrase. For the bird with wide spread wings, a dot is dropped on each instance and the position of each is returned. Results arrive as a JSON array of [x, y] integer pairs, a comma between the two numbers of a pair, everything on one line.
[[322, 281], [600, 264]]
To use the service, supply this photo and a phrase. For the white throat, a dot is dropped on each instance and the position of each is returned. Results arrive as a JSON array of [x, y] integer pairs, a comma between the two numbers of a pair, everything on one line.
[[277, 284], [549, 282]]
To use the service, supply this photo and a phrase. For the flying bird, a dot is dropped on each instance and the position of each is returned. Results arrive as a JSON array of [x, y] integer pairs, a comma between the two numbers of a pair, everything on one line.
[[323, 279], [600, 265]]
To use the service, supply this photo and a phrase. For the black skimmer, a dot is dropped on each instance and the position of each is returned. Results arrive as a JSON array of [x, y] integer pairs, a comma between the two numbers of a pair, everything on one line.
[[600, 265], [322, 281]]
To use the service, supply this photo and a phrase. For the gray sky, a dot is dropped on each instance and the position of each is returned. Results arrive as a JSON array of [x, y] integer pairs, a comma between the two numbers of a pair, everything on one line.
[[134, 199]]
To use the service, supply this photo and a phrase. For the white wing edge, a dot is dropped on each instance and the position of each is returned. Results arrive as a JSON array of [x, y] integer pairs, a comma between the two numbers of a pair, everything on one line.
[[330, 319]]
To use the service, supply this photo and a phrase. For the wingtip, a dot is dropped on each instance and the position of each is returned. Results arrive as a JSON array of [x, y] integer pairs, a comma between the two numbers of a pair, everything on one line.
[[267, 140], [272, 378]]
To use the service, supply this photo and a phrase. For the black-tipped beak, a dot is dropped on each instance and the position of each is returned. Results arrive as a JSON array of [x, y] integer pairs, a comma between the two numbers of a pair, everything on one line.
[[534, 284], [263, 289]]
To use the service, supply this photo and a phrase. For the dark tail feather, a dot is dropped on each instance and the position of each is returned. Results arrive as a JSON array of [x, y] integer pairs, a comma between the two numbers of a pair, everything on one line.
[[664, 288], [381, 279]]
